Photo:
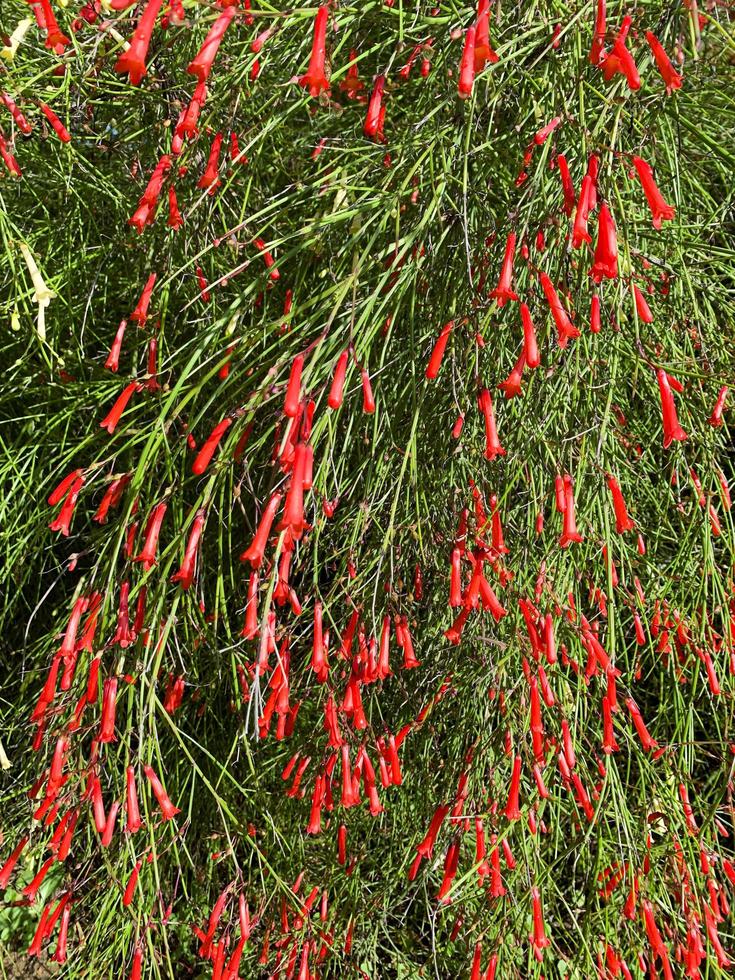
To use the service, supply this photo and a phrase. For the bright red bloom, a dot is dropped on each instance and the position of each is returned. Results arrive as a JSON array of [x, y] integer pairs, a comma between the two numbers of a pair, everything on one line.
[[660, 210], [132, 61], [566, 330], [620, 59], [492, 440], [107, 725], [210, 177], [336, 392], [315, 78], [185, 574], [530, 346], [584, 206], [570, 197], [140, 313], [641, 306], [62, 522], [373, 127], [152, 532], [539, 939], [569, 531], [437, 354], [254, 554], [672, 78], [605, 265], [168, 810], [57, 125], [512, 810], [293, 391], [503, 291], [351, 84], [673, 432], [467, 65], [598, 40], [202, 63], [715, 418], [484, 52], [134, 823], [623, 522], [204, 456]]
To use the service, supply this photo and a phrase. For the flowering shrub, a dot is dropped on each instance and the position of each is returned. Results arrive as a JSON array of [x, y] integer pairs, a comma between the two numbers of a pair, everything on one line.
[[368, 596]]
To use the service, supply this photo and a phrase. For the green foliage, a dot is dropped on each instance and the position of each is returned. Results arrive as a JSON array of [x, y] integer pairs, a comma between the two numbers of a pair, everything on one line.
[[379, 246]]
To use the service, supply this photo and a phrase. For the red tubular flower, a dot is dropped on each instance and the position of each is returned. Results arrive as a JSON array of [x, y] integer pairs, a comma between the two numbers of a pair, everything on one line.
[[511, 387], [112, 497], [146, 211], [8, 159], [374, 120], [530, 347], [62, 488], [437, 354], [569, 530], [715, 418], [124, 636], [59, 955], [595, 314], [140, 313], [132, 61], [467, 65], [152, 531], [204, 456], [20, 120], [7, 869], [167, 808], [55, 39], [134, 823], [210, 177], [543, 134], [315, 78], [293, 391], [130, 887], [660, 210], [673, 432], [175, 220], [566, 330], [185, 574], [254, 554], [647, 741], [368, 401], [293, 509], [62, 522], [107, 725], [351, 84], [503, 291], [336, 392], [512, 810], [270, 262], [56, 124], [605, 264], [451, 860], [584, 206], [202, 63], [492, 440], [620, 59], [484, 52], [113, 358], [623, 522], [570, 197], [642, 308], [319, 662], [539, 940], [598, 40], [672, 78]]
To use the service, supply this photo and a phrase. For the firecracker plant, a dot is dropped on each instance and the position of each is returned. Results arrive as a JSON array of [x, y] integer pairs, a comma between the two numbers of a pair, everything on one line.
[[367, 552]]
